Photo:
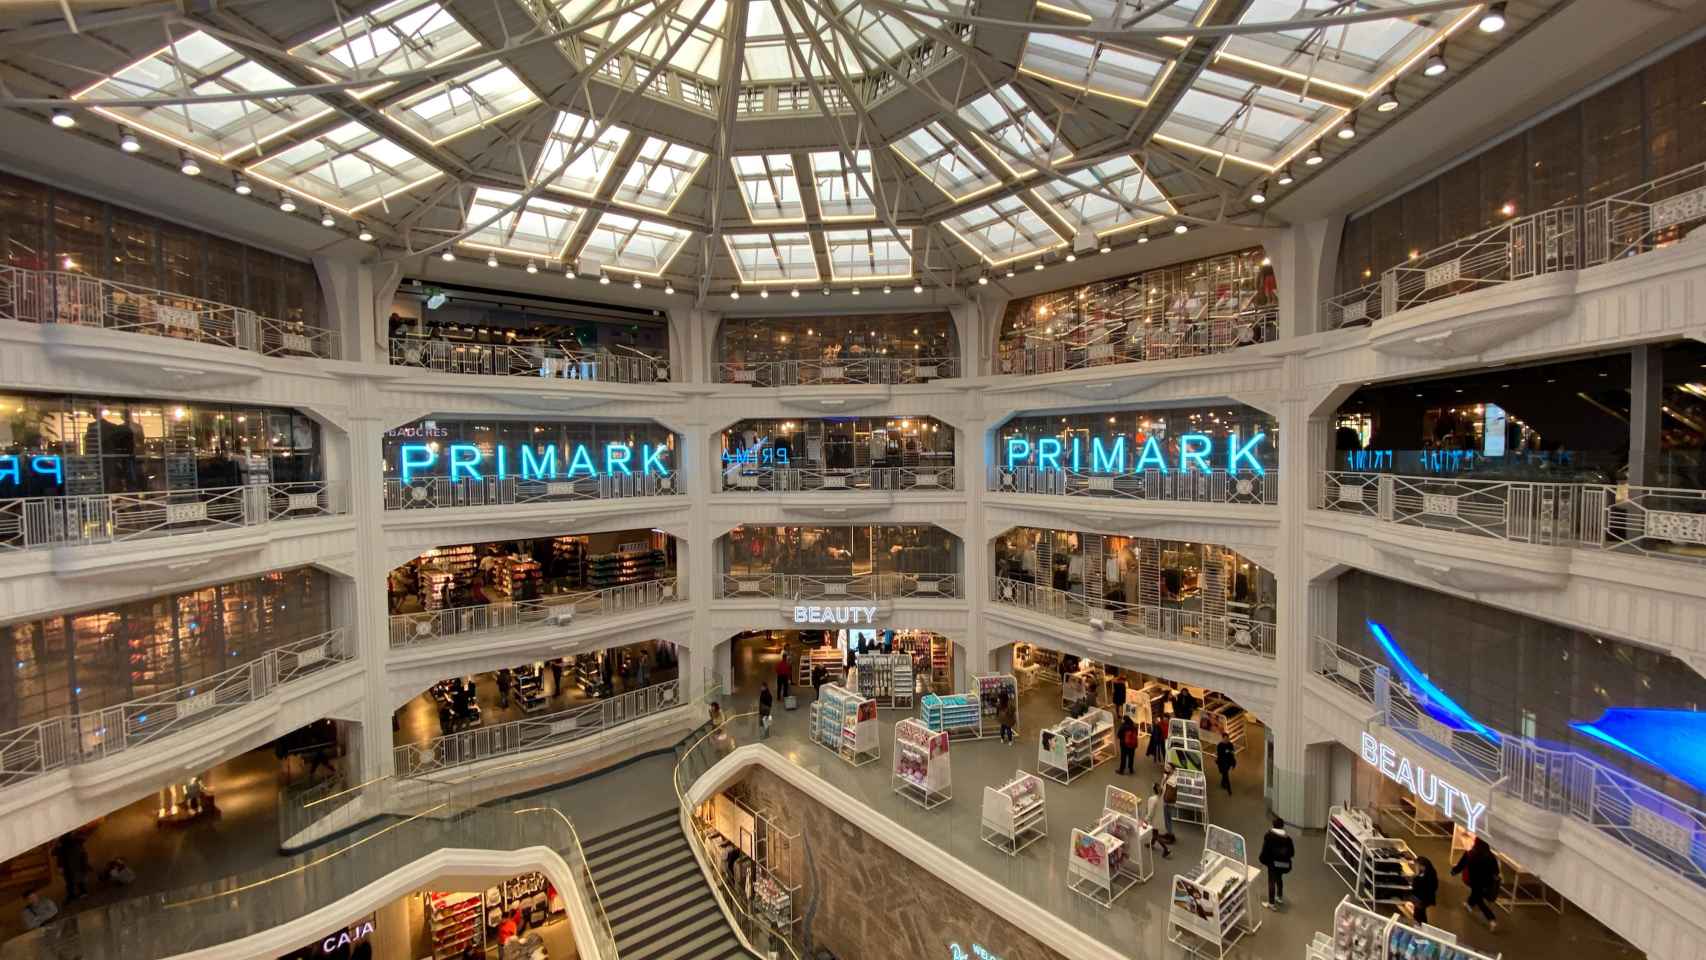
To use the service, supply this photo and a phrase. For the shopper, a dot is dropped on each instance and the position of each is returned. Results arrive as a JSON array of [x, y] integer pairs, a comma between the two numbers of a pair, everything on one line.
[[1158, 740], [1225, 758], [820, 676], [1116, 693], [784, 669], [1154, 811], [1480, 869], [557, 677], [74, 864], [504, 681], [38, 910], [1009, 717], [643, 668], [764, 702], [1185, 705], [1129, 738], [1169, 796], [1277, 851], [1424, 889]]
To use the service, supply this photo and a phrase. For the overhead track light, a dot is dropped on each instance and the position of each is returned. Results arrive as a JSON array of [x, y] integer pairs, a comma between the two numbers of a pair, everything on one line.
[[1105, 247], [795, 293], [448, 255], [1388, 100], [188, 165], [888, 288], [983, 279], [603, 278], [62, 118], [1348, 129], [855, 291], [917, 287], [532, 267], [1285, 178], [363, 234], [637, 283], [1037, 266], [764, 293], [1009, 271], [241, 186], [287, 203], [1180, 227], [1314, 157], [326, 219], [491, 260], [734, 294], [128, 143], [1144, 236], [826, 289], [1259, 195], [1493, 20], [1436, 65], [669, 287]]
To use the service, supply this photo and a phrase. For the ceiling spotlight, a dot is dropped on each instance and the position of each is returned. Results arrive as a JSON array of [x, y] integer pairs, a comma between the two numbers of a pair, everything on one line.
[[1105, 247], [532, 267], [448, 255], [1493, 20], [241, 186], [603, 278], [1285, 178], [1180, 227], [287, 203], [188, 165], [363, 234], [1314, 157], [1009, 271], [764, 293], [917, 287], [491, 259], [326, 219], [1436, 64], [669, 287], [887, 288], [734, 294], [63, 119], [128, 143], [795, 293], [1071, 256], [983, 279], [826, 289], [1348, 129], [637, 283], [1259, 195], [1388, 100], [1144, 236], [855, 291], [1037, 266]]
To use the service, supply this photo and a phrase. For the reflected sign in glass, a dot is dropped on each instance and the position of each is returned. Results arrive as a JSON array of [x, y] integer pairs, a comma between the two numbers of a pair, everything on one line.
[[13, 469], [468, 461], [1114, 455]]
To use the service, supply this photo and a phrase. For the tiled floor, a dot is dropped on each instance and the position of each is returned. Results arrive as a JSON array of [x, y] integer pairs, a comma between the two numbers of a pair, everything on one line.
[[1136, 924]]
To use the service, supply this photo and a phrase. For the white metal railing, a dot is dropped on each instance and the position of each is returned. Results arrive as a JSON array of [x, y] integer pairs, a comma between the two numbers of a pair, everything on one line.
[[47, 296], [1214, 328], [422, 493], [1651, 521], [1644, 218], [64, 741], [1217, 486], [799, 479], [879, 369], [534, 733], [29, 523], [857, 586], [1151, 621], [413, 629], [1523, 247], [1658, 826], [1352, 308], [527, 360]]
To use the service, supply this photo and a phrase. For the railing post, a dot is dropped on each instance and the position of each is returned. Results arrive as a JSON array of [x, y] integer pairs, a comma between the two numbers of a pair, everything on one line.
[[1385, 496]]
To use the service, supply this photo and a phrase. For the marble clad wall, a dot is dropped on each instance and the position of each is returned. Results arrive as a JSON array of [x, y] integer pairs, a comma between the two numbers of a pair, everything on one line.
[[876, 904]]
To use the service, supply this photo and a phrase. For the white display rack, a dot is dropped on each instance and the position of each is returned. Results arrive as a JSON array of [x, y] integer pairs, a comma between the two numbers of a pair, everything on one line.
[[1075, 746], [1230, 720], [830, 657], [957, 714], [1043, 665], [989, 687], [846, 723], [921, 772], [1361, 934], [1013, 814], [1190, 784], [1082, 688], [1110, 858], [1418, 820], [886, 678], [1377, 868], [1210, 909]]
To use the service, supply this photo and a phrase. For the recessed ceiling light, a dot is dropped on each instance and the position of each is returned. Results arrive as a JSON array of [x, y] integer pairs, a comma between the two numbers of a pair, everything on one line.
[[448, 255], [128, 143], [363, 234], [491, 259], [241, 186], [1493, 20], [1348, 129], [1180, 227], [188, 165], [532, 267], [287, 203], [326, 219], [63, 119]]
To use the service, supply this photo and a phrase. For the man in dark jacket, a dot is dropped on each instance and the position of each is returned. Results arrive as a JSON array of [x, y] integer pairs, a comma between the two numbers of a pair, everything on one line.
[[1116, 693], [1424, 889], [1185, 705], [1480, 869], [1225, 758], [1277, 851], [765, 700]]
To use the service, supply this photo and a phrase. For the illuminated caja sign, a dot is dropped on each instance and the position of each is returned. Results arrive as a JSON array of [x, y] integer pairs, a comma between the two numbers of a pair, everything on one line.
[[468, 461], [1101, 455], [13, 468]]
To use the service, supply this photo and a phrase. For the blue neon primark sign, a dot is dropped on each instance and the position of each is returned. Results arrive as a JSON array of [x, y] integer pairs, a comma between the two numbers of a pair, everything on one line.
[[13, 468], [466, 461], [1101, 455]]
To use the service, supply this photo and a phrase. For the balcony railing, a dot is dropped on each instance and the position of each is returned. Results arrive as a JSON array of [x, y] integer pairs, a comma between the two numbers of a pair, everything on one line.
[[858, 586], [868, 479], [1644, 218], [78, 738], [423, 493], [1651, 521], [495, 619], [535, 733], [1150, 621], [797, 373], [1352, 308], [34, 522], [527, 360], [1218, 486], [1663, 829], [1168, 336], [46, 296]]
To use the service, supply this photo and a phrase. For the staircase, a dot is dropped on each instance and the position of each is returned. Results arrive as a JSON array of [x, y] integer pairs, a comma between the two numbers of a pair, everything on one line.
[[658, 903]]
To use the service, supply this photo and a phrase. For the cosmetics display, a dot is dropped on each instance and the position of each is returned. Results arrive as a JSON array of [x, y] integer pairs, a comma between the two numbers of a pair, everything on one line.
[[1013, 814], [1377, 868], [1074, 747], [1210, 907], [921, 772], [846, 723], [956, 714], [1361, 934]]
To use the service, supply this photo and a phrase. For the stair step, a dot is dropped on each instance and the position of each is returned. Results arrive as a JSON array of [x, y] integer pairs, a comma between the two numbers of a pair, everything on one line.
[[672, 893], [643, 825], [615, 884], [714, 942], [687, 927], [641, 848], [656, 899]]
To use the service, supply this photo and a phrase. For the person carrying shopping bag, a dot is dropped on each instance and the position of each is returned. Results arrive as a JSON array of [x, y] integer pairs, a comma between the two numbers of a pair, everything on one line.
[[1277, 851]]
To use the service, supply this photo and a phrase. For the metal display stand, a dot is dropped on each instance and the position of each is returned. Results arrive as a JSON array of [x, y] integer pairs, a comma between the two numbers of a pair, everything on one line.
[[1210, 908], [1190, 783], [1378, 869], [1114, 855], [1013, 814], [1361, 934], [921, 772], [956, 714], [846, 723], [1075, 746]]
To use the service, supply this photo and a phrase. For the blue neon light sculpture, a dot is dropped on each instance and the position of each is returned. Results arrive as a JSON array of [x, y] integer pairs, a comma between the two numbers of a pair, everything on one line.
[[1434, 700], [1667, 739]]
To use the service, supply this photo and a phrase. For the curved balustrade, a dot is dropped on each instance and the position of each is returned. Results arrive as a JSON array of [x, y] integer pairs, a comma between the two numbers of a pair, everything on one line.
[[423, 493], [1149, 621], [33, 522], [868, 479], [858, 586], [797, 373], [78, 738], [1665, 830], [527, 360], [1651, 521], [46, 296], [1218, 486], [1218, 327], [496, 619]]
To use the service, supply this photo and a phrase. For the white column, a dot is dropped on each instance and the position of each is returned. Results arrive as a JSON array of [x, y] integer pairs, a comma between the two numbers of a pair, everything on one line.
[[1646, 394], [1290, 769], [370, 625], [1305, 260], [700, 574], [357, 301]]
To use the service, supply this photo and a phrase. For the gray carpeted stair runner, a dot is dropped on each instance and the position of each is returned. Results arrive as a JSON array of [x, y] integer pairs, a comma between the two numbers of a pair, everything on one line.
[[659, 904]]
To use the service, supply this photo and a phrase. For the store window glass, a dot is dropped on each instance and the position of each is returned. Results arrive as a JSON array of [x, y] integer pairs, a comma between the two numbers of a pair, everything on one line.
[[225, 272], [836, 340], [91, 659], [1115, 441], [23, 221], [506, 572], [1682, 432], [265, 282], [848, 453], [432, 312], [838, 551], [133, 242], [180, 260], [79, 234]]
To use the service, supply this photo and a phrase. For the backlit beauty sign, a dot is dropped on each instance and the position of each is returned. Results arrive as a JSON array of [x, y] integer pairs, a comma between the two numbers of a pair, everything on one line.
[[817, 614], [1424, 784], [12, 469], [467, 461], [1196, 452]]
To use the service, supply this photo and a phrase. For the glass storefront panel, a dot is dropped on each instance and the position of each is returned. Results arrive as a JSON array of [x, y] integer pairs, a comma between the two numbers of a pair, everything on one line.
[[861, 348], [502, 572], [855, 453], [838, 551]]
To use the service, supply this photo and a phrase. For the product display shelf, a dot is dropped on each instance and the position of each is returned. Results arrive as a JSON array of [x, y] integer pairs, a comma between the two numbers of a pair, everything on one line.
[[1417, 820], [530, 691], [886, 678], [1210, 910], [1044, 664], [455, 921], [1361, 934], [921, 771], [990, 688], [1075, 746], [1110, 858], [846, 723], [589, 674], [1230, 720], [956, 714], [1082, 688], [1014, 815], [1190, 783], [1377, 868], [831, 658], [618, 569]]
